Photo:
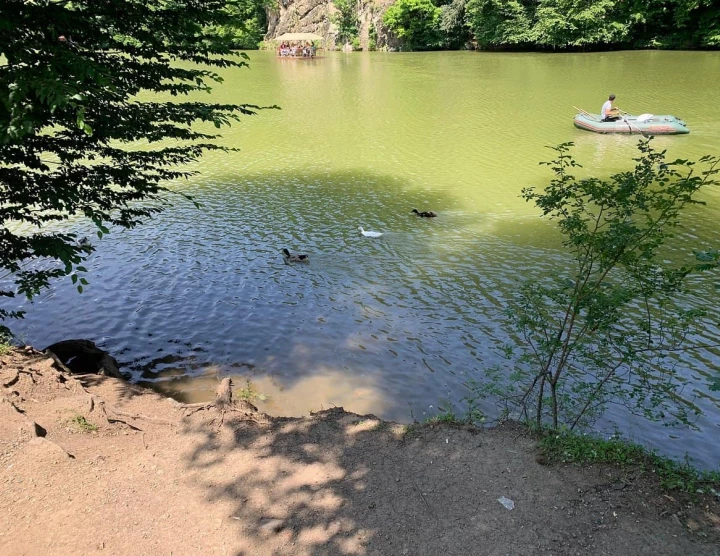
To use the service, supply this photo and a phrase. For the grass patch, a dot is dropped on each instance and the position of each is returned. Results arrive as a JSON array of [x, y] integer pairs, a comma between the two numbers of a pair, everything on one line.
[[584, 449], [411, 431], [5, 337], [447, 417], [81, 424], [380, 425], [248, 393]]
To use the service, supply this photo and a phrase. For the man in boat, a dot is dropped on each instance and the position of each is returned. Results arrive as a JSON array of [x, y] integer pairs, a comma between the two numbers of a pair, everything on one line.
[[609, 112]]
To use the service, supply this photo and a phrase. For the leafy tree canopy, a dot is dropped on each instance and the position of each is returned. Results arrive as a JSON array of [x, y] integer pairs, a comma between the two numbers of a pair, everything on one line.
[[452, 24], [346, 19], [416, 23], [594, 23], [75, 137], [247, 23]]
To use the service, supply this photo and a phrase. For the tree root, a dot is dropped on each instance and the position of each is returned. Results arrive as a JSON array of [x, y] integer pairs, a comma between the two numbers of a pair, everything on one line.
[[223, 399], [98, 403], [137, 416], [37, 432], [224, 403], [16, 377]]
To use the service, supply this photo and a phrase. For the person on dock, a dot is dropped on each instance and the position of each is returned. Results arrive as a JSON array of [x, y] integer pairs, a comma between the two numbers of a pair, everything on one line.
[[609, 113]]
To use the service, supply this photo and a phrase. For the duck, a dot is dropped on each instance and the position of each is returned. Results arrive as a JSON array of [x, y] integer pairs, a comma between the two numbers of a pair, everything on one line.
[[85, 245], [293, 258], [425, 213], [369, 234]]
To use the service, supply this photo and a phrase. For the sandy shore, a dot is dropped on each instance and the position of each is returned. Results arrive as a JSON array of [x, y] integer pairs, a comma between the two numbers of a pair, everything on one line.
[[94, 465]]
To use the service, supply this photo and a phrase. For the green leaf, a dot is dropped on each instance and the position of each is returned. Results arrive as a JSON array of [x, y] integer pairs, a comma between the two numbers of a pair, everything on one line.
[[72, 118]]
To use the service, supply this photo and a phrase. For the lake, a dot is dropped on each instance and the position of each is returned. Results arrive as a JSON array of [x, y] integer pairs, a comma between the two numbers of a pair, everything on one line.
[[392, 326]]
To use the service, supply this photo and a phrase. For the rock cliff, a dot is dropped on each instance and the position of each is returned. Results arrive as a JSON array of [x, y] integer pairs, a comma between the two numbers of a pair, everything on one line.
[[315, 16]]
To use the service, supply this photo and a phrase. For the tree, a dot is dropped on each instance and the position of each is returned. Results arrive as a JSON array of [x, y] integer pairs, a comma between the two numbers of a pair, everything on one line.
[[76, 139], [416, 23], [605, 330], [577, 23], [452, 24], [585, 24], [247, 23], [346, 19], [501, 22]]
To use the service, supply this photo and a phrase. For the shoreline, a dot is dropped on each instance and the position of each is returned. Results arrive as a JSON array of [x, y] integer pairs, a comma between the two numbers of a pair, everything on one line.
[[94, 464]]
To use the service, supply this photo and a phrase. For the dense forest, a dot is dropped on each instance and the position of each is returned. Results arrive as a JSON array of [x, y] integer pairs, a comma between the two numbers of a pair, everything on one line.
[[550, 24], [515, 24]]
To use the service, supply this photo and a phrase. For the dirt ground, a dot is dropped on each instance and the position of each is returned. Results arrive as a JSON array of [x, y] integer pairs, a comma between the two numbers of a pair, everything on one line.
[[93, 465]]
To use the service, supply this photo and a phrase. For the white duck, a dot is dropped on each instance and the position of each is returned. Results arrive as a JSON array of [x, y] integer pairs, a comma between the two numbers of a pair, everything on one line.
[[369, 234]]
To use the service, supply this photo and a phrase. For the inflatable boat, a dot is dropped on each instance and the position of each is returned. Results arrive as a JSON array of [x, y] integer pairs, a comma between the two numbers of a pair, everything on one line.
[[646, 124]]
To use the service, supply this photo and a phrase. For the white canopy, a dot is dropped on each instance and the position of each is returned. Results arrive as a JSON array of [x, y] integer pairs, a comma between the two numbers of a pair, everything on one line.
[[307, 37]]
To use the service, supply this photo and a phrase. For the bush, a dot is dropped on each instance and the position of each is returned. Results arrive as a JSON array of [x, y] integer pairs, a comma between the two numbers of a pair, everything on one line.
[[604, 328], [590, 450]]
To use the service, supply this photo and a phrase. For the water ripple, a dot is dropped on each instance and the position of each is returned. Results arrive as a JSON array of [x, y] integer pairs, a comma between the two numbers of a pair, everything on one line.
[[387, 325]]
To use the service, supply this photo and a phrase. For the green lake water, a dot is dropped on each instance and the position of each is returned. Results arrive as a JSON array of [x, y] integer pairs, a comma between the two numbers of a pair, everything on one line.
[[393, 326]]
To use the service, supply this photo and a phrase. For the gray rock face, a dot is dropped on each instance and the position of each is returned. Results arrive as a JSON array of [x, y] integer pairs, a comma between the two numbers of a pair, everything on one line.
[[315, 16], [300, 16]]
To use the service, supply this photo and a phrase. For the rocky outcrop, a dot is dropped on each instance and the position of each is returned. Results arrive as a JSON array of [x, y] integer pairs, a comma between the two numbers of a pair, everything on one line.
[[315, 16], [84, 357], [299, 16], [370, 14]]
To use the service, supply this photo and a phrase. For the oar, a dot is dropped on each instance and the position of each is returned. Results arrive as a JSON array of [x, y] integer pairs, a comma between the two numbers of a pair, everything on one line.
[[626, 114], [585, 113], [623, 112]]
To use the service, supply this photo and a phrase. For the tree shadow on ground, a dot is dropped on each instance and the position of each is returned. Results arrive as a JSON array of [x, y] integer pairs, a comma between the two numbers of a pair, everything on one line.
[[324, 485], [343, 484]]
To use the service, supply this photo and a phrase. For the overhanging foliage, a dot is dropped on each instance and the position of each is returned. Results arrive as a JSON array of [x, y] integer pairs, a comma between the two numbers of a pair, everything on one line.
[[80, 132]]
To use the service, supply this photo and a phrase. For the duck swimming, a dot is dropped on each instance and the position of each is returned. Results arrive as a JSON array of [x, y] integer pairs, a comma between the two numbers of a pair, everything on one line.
[[293, 258], [369, 234], [425, 213]]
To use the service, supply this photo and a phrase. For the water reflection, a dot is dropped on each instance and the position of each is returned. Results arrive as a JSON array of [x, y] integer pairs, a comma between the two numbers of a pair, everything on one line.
[[322, 388]]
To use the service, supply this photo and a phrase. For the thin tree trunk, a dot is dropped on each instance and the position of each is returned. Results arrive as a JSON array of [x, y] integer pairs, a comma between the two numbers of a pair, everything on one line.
[[538, 414]]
